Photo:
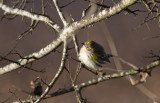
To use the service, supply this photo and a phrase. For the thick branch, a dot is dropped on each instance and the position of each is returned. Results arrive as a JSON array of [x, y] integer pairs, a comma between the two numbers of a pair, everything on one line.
[[37, 17], [106, 77], [56, 76], [68, 31], [99, 80], [32, 57]]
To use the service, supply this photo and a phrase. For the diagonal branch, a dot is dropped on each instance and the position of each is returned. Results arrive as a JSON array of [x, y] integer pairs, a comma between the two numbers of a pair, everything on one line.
[[21, 6], [37, 17], [92, 8], [57, 74], [119, 67], [60, 13], [68, 32], [77, 91], [32, 26], [32, 57], [89, 83], [76, 44], [106, 77]]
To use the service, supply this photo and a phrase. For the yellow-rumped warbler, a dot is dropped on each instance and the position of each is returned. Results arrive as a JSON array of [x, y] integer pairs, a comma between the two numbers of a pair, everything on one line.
[[93, 55]]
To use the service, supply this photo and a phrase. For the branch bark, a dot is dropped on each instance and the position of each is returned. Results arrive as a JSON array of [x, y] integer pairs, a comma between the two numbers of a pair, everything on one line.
[[66, 33], [32, 16], [57, 74], [60, 13], [89, 83]]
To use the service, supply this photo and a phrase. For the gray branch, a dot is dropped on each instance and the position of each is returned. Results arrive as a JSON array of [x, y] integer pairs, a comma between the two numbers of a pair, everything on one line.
[[65, 34], [89, 83], [20, 12], [56, 76], [60, 13]]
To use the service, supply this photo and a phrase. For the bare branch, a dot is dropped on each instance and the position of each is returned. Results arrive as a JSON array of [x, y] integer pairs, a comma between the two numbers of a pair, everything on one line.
[[128, 63], [30, 58], [102, 79], [149, 19], [76, 44], [32, 26], [37, 17], [14, 94], [60, 13], [77, 90], [119, 66], [21, 6], [57, 74], [66, 33], [67, 4]]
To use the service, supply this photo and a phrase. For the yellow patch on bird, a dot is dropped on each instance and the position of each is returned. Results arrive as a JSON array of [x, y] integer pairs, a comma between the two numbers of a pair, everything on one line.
[[89, 42], [94, 57]]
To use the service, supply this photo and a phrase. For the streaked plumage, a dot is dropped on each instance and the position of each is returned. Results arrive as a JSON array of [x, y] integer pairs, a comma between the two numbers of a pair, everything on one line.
[[93, 55]]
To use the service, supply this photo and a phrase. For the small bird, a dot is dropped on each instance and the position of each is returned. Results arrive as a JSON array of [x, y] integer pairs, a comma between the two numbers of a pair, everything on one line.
[[93, 55], [37, 88]]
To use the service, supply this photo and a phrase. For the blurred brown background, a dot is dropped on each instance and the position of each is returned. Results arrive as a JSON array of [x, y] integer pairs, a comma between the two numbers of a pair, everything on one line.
[[132, 45]]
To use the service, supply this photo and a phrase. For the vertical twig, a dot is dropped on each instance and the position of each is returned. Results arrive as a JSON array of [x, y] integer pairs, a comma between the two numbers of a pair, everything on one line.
[[50, 85], [76, 89], [76, 44], [43, 8], [77, 51], [60, 13]]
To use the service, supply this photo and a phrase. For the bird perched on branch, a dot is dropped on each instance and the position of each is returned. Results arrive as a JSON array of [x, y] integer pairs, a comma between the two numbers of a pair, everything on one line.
[[93, 55], [37, 88]]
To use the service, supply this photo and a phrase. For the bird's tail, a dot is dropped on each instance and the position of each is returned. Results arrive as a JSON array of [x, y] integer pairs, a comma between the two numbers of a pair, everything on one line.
[[110, 55]]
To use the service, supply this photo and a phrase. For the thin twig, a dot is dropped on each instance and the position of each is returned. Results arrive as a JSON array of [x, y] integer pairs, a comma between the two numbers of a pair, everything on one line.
[[21, 6], [37, 17], [66, 33], [78, 70], [50, 85], [76, 44], [119, 66], [32, 26], [128, 63], [60, 13], [68, 4], [77, 90], [89, 83], [14, 94]]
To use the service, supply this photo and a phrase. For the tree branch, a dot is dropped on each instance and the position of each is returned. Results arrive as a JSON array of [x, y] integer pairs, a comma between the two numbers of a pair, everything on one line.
[[37, 17], [76, 44], [32, 57], [119, 67], [57, 74], [146, 68], [60, 13], [67, 32]]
